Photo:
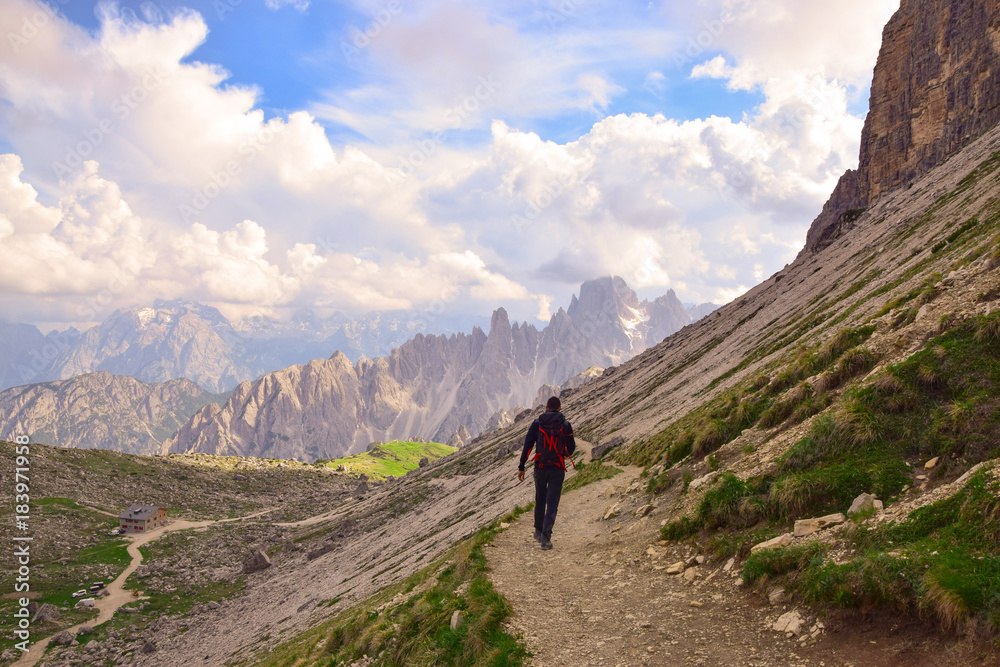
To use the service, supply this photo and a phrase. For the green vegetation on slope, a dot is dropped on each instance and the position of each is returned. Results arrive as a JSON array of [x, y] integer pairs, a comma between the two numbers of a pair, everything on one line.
[[942, 401], [393, 459], [589, 472], [409, 623], [943, 561]]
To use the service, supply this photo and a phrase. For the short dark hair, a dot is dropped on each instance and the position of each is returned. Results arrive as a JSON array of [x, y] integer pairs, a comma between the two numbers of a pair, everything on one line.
[[553, 404]]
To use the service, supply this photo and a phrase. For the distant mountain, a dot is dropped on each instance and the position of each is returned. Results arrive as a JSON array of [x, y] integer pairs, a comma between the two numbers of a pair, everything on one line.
[[431, 387], [100, 411], [181, 339]]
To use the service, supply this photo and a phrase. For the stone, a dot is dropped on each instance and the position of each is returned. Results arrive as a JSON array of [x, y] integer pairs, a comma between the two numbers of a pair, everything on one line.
[[612, 511], [703, 480], [691, 573], [865, 501], [9, 655], [925, 311], [789, 622], [643, 511], [47, 612], [148, 647], [64, 638], [729, 565], [456, 619], [776, 596], [695, 603], [774, 543], [424, 462], [84, 630], [676, 568], [878, 505], [805, 527], [256, 561], [598, 451], [213, 605], [930, 465]]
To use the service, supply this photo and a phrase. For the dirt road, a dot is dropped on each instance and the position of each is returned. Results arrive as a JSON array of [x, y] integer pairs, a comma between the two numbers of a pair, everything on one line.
[[603, 597]]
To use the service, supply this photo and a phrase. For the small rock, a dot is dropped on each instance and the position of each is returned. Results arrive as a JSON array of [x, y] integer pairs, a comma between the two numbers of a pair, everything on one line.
[[703, 480], [148, 647], [805, 527], [863, 502], [789, 622], [695, 603], [776, 596], [878, 504], [691, 574], [612, 511], [932, 463], [504, 525], [456, 619], [676, 568], [643, 511], [213, 605], [774, 543], [729, 565]]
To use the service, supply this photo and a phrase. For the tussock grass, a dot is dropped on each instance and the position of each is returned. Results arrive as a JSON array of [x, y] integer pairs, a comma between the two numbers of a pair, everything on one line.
[[590, 472]]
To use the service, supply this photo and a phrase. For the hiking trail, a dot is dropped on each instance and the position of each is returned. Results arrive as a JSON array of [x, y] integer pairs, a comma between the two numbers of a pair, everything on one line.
[[602, 597]]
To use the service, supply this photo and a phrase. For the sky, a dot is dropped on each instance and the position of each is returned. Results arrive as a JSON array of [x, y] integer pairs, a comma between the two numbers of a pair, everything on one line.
[[265, 156]]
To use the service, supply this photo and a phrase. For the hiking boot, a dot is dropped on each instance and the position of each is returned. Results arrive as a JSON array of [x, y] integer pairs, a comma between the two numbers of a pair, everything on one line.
[[538, 536], [546, 544]]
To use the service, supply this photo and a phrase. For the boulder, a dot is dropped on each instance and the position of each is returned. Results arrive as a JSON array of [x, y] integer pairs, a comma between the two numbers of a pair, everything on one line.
[[424, 462], [256, 561], [643, 511], [64, 638], [774, 543], [47, 612], [805, 527], [456, 619], [865, 501], [84, 630], [598, 451], [148, 647]]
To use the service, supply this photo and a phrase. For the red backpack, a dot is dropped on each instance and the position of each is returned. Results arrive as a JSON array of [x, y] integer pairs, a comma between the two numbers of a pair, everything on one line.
[[552, 451]]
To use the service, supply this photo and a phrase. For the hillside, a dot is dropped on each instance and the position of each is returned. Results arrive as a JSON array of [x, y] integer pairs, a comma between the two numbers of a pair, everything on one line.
[[390, 459], [101, 411]]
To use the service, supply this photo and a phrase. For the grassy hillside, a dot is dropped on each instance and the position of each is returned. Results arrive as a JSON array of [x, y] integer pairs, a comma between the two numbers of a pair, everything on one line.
[[392, 459]]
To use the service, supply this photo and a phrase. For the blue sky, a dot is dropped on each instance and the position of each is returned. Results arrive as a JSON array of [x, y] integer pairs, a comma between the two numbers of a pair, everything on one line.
[[262, 156]]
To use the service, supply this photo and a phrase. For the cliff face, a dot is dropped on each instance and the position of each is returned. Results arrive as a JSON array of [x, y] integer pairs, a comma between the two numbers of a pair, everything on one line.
[[935, 89]]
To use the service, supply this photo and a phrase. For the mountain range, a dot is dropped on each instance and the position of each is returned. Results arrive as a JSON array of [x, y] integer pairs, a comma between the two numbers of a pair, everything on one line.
[[125, 376]]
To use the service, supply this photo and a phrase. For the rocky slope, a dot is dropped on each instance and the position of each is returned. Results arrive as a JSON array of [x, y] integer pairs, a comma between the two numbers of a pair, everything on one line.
[[935, 89], [100, 411], [431, 387]]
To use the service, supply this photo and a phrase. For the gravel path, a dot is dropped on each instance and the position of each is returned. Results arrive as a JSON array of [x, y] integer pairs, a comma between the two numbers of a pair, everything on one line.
[[602, 597]]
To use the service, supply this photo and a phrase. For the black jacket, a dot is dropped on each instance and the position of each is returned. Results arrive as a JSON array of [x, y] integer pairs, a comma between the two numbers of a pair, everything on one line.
[[552, 437]]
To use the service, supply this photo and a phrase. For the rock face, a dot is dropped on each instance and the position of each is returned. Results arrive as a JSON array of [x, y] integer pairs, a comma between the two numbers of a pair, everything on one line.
[[935, 89], [431, 387], [100, 410]]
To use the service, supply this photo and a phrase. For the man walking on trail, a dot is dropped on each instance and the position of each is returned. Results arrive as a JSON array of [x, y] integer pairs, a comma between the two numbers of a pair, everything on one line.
[[552, 438]]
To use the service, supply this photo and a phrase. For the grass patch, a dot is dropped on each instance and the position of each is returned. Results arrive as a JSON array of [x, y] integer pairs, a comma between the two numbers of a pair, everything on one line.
[[409, 623], [393, 459], [590, 472]]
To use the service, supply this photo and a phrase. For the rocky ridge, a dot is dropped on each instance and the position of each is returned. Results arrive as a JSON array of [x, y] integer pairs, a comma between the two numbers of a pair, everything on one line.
[[431, 387]]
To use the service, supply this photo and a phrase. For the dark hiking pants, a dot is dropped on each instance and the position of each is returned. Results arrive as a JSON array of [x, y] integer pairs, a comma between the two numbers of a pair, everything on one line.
[[548, 487]]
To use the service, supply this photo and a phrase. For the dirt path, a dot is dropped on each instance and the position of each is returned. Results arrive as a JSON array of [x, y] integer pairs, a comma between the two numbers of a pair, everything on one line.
[[602, 596], [117, 595]]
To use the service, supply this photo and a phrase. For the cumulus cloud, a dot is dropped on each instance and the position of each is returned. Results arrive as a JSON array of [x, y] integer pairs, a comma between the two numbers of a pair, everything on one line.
[[155, 166]]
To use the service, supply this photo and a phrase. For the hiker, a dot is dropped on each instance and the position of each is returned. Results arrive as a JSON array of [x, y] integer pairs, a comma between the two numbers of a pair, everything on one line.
[[552, 437]]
